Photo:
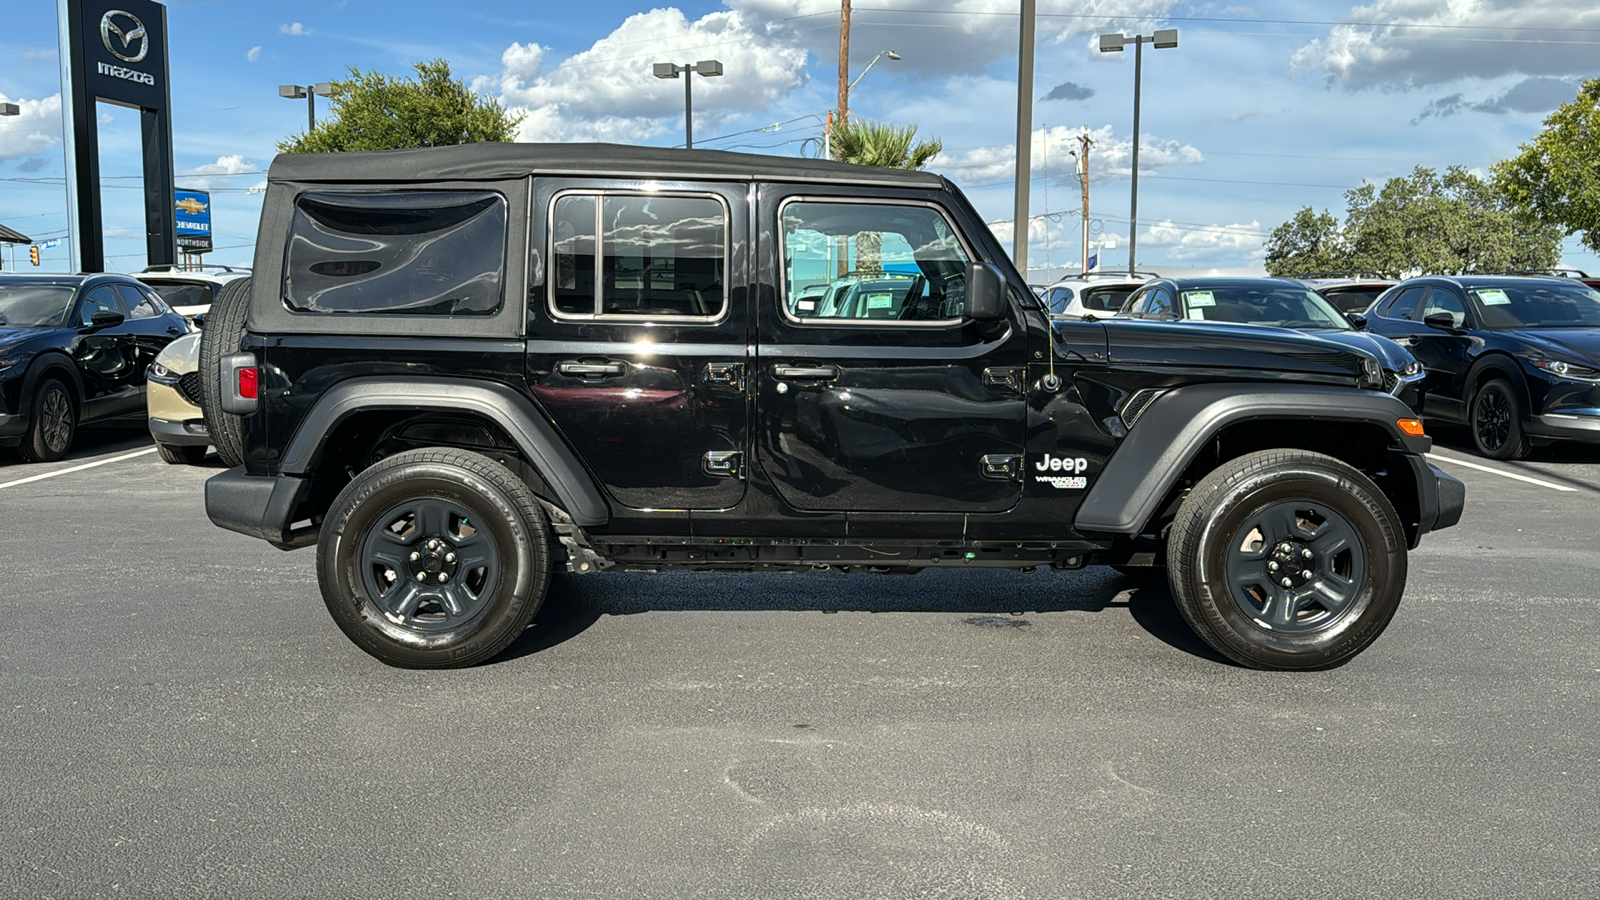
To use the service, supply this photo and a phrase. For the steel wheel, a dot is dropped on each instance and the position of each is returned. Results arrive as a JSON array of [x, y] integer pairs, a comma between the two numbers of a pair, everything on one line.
[[1296, 567], [427, 568]]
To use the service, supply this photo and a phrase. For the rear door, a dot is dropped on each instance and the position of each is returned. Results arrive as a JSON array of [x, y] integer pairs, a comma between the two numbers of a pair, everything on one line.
[[107, 357], [637, 335], [904, 406]]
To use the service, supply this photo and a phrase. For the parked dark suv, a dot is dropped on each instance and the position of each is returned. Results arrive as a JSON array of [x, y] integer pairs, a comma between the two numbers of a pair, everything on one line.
[[460, 370]]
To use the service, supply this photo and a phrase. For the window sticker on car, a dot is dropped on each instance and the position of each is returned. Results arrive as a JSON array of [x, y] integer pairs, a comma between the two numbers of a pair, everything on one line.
[[806, 306], [1492, 297], [1197, 299], [880, 301], [1196, 312]]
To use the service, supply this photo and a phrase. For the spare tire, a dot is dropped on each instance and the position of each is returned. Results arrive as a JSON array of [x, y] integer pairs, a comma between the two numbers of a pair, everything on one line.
[[224, 328]]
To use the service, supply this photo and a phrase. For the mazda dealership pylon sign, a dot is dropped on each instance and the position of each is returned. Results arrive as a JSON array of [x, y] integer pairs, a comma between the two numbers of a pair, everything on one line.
[[116, 51]]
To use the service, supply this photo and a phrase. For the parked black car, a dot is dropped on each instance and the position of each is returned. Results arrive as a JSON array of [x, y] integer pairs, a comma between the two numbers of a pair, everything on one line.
[[1516, 359], [73, 350], [1274, 303]]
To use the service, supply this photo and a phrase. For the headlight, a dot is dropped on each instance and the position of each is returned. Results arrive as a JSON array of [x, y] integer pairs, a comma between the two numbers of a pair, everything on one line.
[[160, 371], [9, 361], [1567, 370], [1414, 369]]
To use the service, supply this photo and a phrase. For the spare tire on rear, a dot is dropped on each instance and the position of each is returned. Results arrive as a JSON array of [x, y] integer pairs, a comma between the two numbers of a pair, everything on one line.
[[224, 328]]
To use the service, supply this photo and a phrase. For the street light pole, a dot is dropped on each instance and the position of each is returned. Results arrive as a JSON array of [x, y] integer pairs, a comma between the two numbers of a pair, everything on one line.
[[310, 92], [1113, 43], [708, 68]]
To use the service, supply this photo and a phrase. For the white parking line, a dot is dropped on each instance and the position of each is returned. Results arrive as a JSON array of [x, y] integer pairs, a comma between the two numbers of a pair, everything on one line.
[[1482, 468], [102, 462]]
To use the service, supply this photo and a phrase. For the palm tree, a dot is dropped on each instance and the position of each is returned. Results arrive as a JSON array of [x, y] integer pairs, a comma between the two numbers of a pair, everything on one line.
[[883, 144]]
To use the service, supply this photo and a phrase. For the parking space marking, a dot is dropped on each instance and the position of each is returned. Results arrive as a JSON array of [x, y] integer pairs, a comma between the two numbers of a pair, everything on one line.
[[102, 462], [1482, 468]]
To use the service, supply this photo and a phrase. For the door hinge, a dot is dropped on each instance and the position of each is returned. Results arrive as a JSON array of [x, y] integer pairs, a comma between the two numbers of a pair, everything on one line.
[[1002, 466], [725, 374], [724, 463], [1007, 378]]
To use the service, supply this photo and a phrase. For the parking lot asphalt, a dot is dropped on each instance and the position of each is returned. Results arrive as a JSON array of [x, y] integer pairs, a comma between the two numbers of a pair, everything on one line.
[[184, 719]]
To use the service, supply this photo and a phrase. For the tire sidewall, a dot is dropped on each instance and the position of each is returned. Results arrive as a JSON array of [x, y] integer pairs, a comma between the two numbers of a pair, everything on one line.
[[1358, 626], [359, 509]]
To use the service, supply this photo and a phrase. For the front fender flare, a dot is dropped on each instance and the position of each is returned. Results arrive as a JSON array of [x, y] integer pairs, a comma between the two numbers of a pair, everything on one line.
[[1151, 459]]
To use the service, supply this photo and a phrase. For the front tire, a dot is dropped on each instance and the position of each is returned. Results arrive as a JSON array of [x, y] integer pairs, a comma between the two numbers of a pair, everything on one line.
[[181, 455], [1496, 421], [1287, 559], [52, 424], [434, 559]]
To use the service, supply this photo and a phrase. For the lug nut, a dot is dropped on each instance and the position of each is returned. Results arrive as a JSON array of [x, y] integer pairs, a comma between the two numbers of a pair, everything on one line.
[[422, 576], [1286, 582], [443, 577], [450, 557], [1306, 553], [415, 556], [1284, 547], [1272, 567]]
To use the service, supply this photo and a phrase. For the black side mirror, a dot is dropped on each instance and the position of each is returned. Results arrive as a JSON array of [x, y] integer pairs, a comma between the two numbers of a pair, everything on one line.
[[1357, 320], [106, 318], [1441, 320], [199, 320], [986, 293]]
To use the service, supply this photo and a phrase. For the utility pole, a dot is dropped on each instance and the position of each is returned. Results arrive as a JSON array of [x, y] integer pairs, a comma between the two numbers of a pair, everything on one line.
[[844, 65], [1019, 237], [1084, 143]]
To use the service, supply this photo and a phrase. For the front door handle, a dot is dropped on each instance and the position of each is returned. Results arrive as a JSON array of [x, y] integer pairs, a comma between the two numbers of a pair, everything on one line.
[[589, 369], [806, 373]]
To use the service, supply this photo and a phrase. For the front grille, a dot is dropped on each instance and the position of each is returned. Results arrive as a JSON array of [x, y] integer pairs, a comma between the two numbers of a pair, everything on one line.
[[189, 388], [1391, 380]]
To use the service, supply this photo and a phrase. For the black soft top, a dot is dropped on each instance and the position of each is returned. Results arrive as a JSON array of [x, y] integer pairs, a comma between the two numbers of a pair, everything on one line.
[[498, 161]]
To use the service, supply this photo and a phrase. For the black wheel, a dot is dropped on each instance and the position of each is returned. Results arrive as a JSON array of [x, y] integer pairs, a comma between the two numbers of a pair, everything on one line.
[[1496, 420], [176, 455], [1287, 559], [221, 335], [51, 426], [434, 559]]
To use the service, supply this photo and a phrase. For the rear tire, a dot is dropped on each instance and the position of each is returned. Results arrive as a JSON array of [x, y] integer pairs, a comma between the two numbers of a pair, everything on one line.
[[175, 455], [52, 424], [434, 559], [223, 330], [1296, 516]]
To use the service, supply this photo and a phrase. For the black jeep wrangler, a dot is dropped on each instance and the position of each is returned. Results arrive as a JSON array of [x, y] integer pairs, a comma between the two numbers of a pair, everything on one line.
[[460, 371]]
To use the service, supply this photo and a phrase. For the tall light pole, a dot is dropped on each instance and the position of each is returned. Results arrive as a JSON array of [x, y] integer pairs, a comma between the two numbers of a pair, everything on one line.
[[1113, 43], [1019, 232], [11, 109], [844, 101], [310, 92], [706, 67]]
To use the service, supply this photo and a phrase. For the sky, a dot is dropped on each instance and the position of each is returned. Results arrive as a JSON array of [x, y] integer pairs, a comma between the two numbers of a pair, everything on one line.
[[1260, 110]]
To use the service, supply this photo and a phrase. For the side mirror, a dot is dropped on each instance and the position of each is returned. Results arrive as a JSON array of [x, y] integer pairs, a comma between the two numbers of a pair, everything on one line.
[[1440, 320], [986, 293], [199, 320], [106, 318], [1357, 320]]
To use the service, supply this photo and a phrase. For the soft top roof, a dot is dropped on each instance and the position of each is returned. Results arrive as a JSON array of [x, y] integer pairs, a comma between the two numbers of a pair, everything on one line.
[[494, 161]]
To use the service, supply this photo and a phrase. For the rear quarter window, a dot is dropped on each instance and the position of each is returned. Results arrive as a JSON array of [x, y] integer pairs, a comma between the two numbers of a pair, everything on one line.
[[432, 253]]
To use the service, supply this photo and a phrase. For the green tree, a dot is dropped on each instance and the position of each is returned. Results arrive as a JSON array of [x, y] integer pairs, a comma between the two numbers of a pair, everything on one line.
[[374, 111], [1556, 176], [883, 144], [1423, 222]]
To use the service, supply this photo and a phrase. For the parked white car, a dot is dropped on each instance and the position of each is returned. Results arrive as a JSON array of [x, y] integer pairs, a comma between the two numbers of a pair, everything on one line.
[[190, 291], [1095, 295]]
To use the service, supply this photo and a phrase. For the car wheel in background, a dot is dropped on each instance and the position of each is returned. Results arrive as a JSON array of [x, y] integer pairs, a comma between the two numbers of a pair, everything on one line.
[[1287, 559], [223, 330], [51, 426], [181, 456], [434, 558], [1496, 421]]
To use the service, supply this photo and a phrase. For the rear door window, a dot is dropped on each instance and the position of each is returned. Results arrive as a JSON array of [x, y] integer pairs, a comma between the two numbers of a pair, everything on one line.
[[432, 253], [660, 256]]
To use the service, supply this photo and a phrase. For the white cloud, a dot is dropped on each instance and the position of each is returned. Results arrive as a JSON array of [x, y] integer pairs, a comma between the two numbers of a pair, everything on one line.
[[253, 54], [1054, 152], [1469, 39], [207, 176], [608, 93], [1182, 242], [294, 28], [36, 127]]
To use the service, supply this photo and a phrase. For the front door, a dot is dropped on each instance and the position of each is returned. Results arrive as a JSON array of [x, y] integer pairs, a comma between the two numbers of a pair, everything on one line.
[[874, 393], [638, 332]]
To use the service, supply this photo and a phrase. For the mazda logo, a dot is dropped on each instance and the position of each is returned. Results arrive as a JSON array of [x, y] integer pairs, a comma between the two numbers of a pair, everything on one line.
[[119, 31]]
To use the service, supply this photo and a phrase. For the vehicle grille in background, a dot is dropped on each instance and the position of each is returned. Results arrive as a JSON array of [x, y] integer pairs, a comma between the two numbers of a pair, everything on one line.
[[189, 388], [1137, 404]]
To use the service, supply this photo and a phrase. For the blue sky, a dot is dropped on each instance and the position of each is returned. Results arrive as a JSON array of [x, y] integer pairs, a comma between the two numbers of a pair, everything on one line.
[[1260, 110]]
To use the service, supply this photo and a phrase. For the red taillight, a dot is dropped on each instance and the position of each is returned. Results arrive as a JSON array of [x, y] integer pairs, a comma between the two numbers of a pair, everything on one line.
[[249, 382]]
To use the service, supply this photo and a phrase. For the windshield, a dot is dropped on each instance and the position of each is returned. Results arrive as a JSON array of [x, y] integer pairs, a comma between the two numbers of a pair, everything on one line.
[[1539, 304], [34, 305], [1286, 307], [178, 293]]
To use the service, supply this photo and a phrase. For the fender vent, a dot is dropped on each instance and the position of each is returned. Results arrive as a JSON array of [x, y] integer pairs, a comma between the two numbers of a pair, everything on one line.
[[1137, 404]]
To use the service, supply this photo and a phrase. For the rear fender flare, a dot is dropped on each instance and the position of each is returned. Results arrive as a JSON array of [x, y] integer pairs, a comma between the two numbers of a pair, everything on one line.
[[515, 414], [1171, 432]]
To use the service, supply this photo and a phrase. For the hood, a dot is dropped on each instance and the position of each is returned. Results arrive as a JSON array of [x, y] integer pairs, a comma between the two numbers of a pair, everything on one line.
[[182, 355], [1219, 345], [1580, 345], [1391, 356]]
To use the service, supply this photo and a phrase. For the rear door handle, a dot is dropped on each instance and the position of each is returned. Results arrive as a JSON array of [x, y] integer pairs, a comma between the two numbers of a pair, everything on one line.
[[590, 369], [808, 373]]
